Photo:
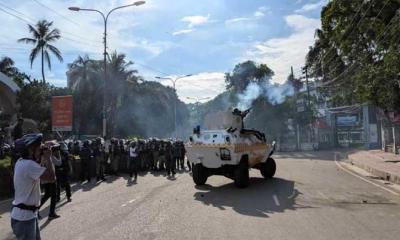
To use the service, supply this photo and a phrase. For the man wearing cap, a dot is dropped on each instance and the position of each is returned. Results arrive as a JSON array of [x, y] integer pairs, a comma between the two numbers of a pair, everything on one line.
[[28, 170]]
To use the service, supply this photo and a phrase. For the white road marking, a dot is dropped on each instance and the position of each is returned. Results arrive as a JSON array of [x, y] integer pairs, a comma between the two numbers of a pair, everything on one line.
[[365, 180], [123, 205], [276, 200], [131, 201]]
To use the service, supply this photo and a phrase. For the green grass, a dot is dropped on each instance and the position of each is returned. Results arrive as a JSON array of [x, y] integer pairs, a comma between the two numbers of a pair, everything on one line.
[[6, 162]]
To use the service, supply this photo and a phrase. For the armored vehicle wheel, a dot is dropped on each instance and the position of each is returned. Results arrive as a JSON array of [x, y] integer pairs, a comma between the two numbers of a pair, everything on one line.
[[242, 175], [268, 168], [199, 174]]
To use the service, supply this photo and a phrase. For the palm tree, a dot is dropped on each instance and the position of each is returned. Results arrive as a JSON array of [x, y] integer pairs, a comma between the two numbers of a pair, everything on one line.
[[83, 70], [121, 77], [42, 36]]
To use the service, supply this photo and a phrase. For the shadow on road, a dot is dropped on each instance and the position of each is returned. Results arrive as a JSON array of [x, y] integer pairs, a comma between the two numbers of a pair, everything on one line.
[[315, 155], [260, 199], [5, 206]]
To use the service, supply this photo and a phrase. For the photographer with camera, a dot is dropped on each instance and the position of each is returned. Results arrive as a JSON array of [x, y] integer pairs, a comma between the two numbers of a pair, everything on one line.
[[49, 179], [28, 170]]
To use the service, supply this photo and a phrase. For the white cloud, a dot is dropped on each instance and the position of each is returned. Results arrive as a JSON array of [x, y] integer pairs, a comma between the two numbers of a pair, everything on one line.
[[200, 86], [196, 20], [235, 20], [183, 31], [263, 8], [259, 13], [281, 53], [311, 6], [82, 32]]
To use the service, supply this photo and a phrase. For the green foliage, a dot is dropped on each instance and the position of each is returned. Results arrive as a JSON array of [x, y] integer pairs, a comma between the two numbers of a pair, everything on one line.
[[34, 99], [8, 68], [245, 73], [267, 118], [134, 107], [356, 53], [6, 162], [86, 82], [296, 83]]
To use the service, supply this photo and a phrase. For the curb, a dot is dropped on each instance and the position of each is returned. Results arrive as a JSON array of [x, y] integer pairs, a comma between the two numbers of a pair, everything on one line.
[[390, 177]]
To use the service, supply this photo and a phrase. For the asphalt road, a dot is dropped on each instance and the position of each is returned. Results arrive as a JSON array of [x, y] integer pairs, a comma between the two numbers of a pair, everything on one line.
[[309, 198]]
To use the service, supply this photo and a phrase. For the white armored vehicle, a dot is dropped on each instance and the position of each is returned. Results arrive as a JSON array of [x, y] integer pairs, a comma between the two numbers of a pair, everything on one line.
[[227, 148]]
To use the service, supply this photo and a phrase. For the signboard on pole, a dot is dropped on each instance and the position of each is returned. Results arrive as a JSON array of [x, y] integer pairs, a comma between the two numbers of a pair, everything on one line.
[[300, 105], [346, 121], [61, 107]]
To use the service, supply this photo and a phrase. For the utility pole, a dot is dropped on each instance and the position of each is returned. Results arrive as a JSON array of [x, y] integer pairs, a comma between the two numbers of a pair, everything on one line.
[[197, 103], [305, 71], [105, 20], [174, 80], [296, 92], [291, 71]]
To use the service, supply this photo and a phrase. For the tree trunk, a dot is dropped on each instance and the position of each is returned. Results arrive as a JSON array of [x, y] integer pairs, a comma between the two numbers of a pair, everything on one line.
[[43, 79]]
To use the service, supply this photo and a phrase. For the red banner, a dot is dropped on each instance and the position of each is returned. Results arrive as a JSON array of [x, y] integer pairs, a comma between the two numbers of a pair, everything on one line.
[[61, 113]]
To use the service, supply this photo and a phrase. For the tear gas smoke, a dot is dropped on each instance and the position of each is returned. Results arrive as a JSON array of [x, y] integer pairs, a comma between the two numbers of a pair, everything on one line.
[[275, 93]]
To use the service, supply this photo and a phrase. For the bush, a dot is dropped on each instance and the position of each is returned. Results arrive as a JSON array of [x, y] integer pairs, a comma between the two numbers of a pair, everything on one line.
[[6, 178], [6, 162]]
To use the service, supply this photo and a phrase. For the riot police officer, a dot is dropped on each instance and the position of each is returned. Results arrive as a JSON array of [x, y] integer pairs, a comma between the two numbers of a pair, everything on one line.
[[63, 172], [169, 159], [85, 155], [99, 159]]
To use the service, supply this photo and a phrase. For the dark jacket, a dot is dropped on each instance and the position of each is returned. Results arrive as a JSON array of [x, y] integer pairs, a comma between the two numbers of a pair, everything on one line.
[[85, 153]]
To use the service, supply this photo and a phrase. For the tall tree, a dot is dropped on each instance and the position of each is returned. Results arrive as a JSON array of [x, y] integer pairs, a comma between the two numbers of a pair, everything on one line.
[[120, 75], [85, 79], [82, 71], [7, 66], [357, 51], [42, 38], [246, 72]]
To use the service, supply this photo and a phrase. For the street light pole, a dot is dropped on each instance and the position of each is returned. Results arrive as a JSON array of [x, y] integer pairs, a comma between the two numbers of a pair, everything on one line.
[[197, 102], [174, 80], [105, 19]]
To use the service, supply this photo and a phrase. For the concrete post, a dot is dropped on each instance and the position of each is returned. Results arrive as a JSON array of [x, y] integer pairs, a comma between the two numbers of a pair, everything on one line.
[[298, 137], [383, 140], [394, 139], [366, 125]]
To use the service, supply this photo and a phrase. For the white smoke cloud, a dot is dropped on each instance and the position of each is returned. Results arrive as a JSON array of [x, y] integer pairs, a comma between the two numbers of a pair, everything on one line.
[[252, 92], [275, 93]]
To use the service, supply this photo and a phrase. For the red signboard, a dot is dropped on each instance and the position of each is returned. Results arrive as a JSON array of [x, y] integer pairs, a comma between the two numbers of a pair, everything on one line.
[[61, 113]]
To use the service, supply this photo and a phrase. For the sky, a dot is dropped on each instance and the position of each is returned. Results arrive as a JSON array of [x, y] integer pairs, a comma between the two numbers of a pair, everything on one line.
[[163, 38]]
